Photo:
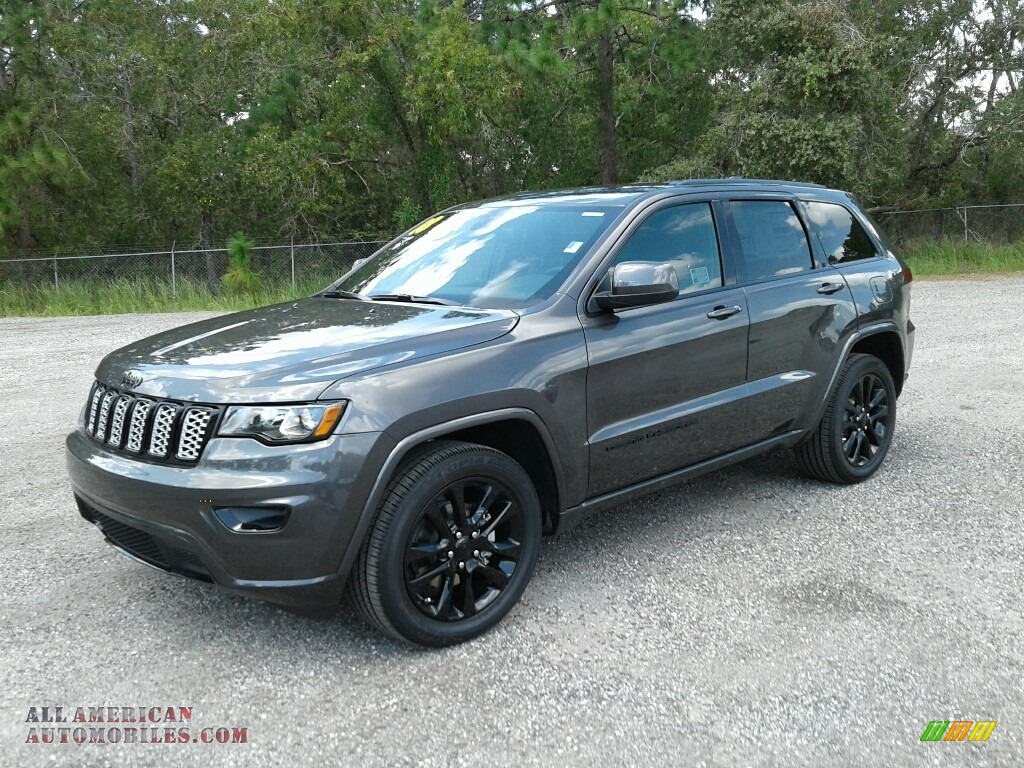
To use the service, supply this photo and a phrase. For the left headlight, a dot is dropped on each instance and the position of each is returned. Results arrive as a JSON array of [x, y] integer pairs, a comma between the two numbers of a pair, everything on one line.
[[277, 424]]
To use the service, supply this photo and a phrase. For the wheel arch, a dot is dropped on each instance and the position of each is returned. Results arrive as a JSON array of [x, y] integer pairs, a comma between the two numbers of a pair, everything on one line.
[[885, 344], [517, 432], [521, 440]]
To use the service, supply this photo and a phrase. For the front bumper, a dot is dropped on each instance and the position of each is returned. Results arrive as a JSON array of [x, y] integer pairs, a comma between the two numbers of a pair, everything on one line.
[[165, 516]]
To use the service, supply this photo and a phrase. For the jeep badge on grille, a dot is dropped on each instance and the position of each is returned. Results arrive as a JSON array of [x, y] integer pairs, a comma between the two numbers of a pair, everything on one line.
[[131, 379]]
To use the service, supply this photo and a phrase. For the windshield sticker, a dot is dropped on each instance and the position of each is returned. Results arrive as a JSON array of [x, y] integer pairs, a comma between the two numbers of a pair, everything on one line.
[[700, 276], [593, 213], [573, 246], [426, 225]]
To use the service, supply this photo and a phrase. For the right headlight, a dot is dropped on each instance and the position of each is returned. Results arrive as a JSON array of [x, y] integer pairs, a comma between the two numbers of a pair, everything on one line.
[[277, 424]]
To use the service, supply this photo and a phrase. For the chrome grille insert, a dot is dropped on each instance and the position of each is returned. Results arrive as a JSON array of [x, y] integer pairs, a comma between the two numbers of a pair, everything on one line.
[[94, 407], [137, 428], [156, 429], [193, 433], [163, 423], [117, 423], [104, 417]]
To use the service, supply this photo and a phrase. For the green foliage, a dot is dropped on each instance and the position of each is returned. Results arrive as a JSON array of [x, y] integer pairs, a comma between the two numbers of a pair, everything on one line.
[[135, 123], [1002, 159], [618, 84], [799, 97], [240, 276], [140, 295], [407, 214], [951, 258], [31, 159]]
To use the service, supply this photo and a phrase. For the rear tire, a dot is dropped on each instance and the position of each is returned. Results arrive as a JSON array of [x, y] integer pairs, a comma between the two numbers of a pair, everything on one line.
[[853, 437], [452, 546]]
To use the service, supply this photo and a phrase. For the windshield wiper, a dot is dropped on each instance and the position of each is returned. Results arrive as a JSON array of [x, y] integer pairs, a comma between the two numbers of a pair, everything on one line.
[[408, 298], [342, 295]]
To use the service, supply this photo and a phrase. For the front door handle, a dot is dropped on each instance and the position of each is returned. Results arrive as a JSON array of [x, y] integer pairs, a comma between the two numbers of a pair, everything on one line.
[[830, 288], [721, 312]]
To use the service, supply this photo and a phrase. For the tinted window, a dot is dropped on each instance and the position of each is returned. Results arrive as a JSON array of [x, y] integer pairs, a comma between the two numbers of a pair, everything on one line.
[[683, 236], [772, 240], [492, 256], [841, 235]]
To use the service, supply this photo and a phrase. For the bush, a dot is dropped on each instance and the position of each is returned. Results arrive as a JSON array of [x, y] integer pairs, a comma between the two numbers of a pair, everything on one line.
[[240, 276]]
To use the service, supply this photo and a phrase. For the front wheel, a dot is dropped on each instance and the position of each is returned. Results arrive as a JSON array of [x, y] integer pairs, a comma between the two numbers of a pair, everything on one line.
[[852, 439], [452, 547]]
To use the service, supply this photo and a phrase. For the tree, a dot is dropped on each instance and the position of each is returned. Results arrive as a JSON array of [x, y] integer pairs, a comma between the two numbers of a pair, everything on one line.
[[630, 60], [32, 161], [151, 121], [798, 96]]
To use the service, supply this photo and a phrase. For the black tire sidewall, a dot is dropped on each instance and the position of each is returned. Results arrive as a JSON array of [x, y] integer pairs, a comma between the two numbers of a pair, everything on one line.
[[867, 364], [398, 605]]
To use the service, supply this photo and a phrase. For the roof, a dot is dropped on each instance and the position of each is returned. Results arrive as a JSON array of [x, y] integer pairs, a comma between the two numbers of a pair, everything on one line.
[[623, 195]]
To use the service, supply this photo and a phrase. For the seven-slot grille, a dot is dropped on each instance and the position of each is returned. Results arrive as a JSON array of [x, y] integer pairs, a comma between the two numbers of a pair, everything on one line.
[[160, 429]]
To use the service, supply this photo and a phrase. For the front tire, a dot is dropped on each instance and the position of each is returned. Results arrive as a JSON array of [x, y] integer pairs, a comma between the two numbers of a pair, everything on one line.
[[853, 437], [452, 547]]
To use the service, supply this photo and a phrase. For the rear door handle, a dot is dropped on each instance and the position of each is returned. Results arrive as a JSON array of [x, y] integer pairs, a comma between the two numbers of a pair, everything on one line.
[[830, 287], [722, 312]]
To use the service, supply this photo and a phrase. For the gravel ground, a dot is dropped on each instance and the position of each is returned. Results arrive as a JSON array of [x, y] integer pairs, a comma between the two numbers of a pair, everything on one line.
[[746, 618]]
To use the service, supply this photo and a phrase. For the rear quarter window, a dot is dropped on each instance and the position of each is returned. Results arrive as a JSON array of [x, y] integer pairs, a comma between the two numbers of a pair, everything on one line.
[[841, 236]]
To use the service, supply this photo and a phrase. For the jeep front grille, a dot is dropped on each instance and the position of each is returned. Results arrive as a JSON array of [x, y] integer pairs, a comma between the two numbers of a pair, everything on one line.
[[159, 429]]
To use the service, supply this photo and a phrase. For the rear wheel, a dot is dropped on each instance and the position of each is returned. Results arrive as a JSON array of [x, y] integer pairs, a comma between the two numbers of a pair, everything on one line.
[[852, 439], [452, 547]]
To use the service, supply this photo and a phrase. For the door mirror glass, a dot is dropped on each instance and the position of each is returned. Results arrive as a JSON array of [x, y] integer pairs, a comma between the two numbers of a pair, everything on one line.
[[637, 284]]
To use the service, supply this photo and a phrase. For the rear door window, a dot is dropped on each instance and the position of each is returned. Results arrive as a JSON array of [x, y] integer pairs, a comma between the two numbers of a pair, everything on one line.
[[840, 234], [771, 238]]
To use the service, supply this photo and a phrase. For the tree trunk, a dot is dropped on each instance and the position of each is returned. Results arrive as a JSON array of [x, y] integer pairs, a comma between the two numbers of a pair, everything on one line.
[[25, 232], [991, 100], [206, 242], [391, 89], [134, 162], [607, 157]]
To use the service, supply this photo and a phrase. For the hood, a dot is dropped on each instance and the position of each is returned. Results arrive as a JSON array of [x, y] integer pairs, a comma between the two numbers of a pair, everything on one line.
[[292, 352]]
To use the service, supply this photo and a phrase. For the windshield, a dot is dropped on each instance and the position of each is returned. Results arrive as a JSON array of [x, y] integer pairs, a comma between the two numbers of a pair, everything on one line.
[[506, 257]]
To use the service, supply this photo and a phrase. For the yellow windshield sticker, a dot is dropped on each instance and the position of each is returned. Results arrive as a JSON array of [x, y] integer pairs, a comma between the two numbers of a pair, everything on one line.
[[426, 225]]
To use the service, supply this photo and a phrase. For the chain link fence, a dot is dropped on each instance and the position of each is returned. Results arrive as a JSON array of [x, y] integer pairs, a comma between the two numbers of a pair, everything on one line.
[[312, 266], [278, 265], [984, 224]]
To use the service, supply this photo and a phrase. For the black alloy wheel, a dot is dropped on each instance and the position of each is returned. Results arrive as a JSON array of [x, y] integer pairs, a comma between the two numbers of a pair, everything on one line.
[[865, 420], [464, 549], [854, 434], [452, 547]]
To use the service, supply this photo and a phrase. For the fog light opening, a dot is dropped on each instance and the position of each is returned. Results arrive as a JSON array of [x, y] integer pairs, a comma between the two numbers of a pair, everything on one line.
[[253, 519]]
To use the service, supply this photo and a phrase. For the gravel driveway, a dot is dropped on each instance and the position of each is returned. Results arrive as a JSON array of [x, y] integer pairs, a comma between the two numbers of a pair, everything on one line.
[[746, 618]]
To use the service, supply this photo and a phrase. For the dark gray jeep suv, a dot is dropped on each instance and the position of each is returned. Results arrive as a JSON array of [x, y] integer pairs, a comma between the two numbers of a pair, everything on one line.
[[492, 375]]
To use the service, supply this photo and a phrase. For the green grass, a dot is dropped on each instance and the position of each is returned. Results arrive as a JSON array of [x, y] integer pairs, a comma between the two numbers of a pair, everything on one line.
[[139, 295], [954, 258], [120, 296]]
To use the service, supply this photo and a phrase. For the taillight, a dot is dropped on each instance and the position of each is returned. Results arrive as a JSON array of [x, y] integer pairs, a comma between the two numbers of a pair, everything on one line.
[[908, 276]]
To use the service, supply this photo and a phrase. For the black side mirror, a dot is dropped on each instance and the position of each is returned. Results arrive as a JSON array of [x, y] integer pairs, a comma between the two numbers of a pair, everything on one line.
[[637, 284]]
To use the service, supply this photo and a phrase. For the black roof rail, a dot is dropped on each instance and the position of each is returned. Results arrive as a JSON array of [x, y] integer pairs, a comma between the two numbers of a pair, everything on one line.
[[741, 180]]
